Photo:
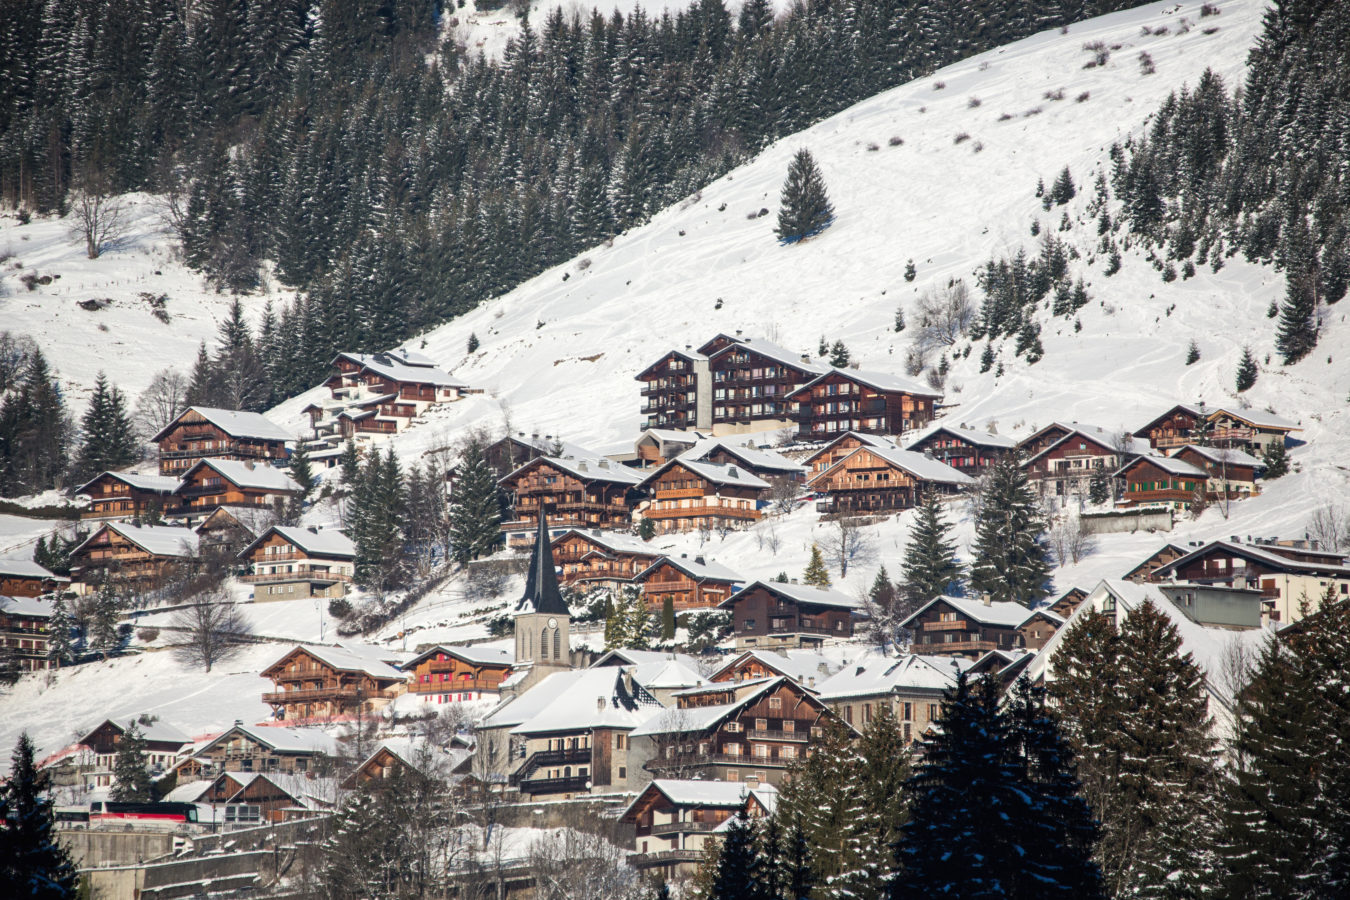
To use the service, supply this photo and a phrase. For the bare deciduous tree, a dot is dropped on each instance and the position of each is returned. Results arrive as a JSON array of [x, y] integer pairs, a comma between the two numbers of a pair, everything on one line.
[[572, 865], [944, 317], [213, 629], [1330, 526], [1070, 538], [783, 493], [847, 543], [162, 401], [98, 217]]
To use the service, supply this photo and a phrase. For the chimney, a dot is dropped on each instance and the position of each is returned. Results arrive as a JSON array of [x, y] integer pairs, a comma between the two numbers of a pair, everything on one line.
[[239, 721], [600, 704], [752, 782], [699, 560], [986, 599], [738, 332], [581, 466], [733, 472], [313, 530]]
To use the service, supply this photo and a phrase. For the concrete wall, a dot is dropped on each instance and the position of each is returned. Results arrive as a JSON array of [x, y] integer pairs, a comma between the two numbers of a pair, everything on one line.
[[1149, 518], [92, 847]]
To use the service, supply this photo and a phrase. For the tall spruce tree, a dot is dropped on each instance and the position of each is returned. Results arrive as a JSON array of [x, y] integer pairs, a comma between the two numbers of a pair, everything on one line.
[[734, 875], [1011, 558], [376, 521], [1296, 334], [804, 207], [33, 863], [60, 627], [816, 573], [131, 773], [475, 510], [108, 437], [1246, 370], [105, 613], [930, 567]]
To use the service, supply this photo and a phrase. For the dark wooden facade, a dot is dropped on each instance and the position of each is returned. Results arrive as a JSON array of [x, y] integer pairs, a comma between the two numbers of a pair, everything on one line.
[[22, 578], [572, 493], [1150, 480], [843, 400], [452, 674], [670, 390], [967, 629], [282, 567], [24, 632], [308, 687], [193, 436], [207, 486], [751, 383], [1174, 428], [1231, 472], [773, 615], [686, 496], [969, 452], [1065, 467], [1143, 572], [114, 496], [687, 586], [877, 480], [244, 748], [839, 448], [145, 556], [585, 558]]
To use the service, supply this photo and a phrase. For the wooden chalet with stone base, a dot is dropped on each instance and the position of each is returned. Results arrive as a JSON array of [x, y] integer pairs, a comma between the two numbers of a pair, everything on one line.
[[967, 450], [955, 626], [1175, 428], [687, 583], [777, 615], [911, 687], [600, 559], [164, 746], [252, 799], [143, 557], [751, 381], [1063, 457], [321, 683], [201, 432], [574, 493], [734, 731], [24, 631], [451, 674], [298, 563], [121, 495], [679, 823], [213, 483], [822, 459], [1232, 472], [843, 400], [687, 495], [380, 393], [25, 578], [882, 480], [1161, 480], [262, 748]]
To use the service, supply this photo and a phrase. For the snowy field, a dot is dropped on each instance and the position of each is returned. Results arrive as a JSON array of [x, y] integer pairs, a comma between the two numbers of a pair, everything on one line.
[[704, 267]]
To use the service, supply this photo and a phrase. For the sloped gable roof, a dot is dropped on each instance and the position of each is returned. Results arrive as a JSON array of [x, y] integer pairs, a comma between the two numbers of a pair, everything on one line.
[[236, 423], [326, 542], [925, 468], [998, 612], [799, 593], [881, 381], [157, 540], [969, 435], [246, 475], [718, 473]]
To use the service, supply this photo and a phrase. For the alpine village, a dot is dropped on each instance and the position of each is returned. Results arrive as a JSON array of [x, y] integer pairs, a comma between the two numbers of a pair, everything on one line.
[[832, 450]]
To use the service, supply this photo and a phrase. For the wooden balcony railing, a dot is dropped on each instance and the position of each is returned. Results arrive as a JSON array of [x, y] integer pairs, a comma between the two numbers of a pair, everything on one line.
[[945, 626], [682, 828], [447, 687], [344, 692], [555, 785], [694, 512], [301, 574], [690, 760], [771, 734], [664, 857]]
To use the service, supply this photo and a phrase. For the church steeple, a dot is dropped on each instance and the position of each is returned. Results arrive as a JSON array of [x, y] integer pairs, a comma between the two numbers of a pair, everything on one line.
[[541, 582], [542, 619]]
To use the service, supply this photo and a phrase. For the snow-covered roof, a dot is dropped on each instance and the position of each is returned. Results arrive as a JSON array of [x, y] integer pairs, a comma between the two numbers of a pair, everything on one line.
[[155, 484], [248, 475], [349, 658], [802, 593], [996, 612], [671, 436], [694, 719], [310, 793], [23, 568], [157, 540], [868, 440], [799, 665], [627, 657], [1169, 464], [325, 542], [718, 473], [770, 350], [612, 541], [587, 469], [235, 423], [1258, 554], [1223, 455], [1258, 418], [684, 792], [750, 456], [666, 675], [694, 569], [1190, 409], [1129, 444], [25, 606], [188, 792], [547, 444], [398, 367], [417, 753], [574, 701], [969, 435], [883, 675], [483, 656], [157, 731], [881, 381], [925, 468], [283, 740]]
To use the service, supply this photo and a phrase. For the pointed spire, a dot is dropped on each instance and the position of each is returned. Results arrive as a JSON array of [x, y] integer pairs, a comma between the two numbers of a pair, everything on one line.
[[541, 582]]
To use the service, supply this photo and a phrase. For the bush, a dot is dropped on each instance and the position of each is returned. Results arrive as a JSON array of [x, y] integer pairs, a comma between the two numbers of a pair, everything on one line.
[[1083, 97], [896, 140], [973, 102], [1146, 66], [1208, 9], [1057, 94], [339, 607], [939, 85], [961, 138], [147, 635]]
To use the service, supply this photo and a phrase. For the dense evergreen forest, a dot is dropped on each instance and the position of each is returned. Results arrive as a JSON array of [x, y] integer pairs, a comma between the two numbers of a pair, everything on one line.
[[398, 180]]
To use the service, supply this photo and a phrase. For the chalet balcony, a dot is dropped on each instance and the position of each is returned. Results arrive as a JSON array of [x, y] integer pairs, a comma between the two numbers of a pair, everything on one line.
[[449, 687], [945, 626], [191, 493], [956, 647], [1172, 441], [695, 512], [680, 828], [309, 695], [302, 574], [665, 858], [694, 760], [574, 784], [235, 452], [770, 734]]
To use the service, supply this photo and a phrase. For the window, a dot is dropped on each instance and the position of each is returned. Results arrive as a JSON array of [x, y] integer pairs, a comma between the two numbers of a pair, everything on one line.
[[775, 703], [732, 749], [733, 775], [618, 741], [932, 711], [909, 711], [787, 752], [761, 724], [623, 771], [762, 751], [733, 726], [848, 714]]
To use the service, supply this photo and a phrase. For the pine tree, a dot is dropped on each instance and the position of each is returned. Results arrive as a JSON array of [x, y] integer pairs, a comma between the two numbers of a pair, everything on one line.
[[734, 873], [646, 528], [376, 523], [107, 611], [60, 648], [816, 573], [1063, 190], [1099, 487], [1276, 459], [1246, 370], [33, 863], [1192, 353], [668, 619], [1011, 558], [987, 358], [109, 438], [475, 511], [839, 355], [131, 775], [1296, 334], [899, 319], [805, 209], [301, 471], [910, 272], [930, 567], [472, 346]]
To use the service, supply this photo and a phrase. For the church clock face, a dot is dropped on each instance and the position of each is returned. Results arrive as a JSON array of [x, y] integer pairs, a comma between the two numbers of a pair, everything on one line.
[[552, 623]]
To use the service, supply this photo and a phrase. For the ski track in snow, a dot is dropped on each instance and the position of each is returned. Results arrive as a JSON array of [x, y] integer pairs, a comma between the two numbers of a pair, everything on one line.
[[945, 206]]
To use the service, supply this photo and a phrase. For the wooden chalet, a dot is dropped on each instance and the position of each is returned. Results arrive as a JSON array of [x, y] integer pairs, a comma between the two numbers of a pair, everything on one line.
[[1232, 472], [1161, 480], [751, 382], [261, 748], [1248, 429], [910, 687], [1065, 604], [688, 583], [688, 495], [408, 757], [1288, 574], [575, 493], [675, 391], [568, 735], [509, 453], [778, 615], [24, 632], [677, 823], [765, 464], [226, 531], [835, 450], [600, 559], [312, 682], [251, 799], [805, 667], [288, 563], [662, 674], [1038, 628], [965, 449], [953, 626], [164, 746], [843, 400], [1175, 428], [213, 483], [882, 480], [142, 556], [201, 432], [121, 495], [25, 578], [380, 393], [735, 731], [1144, 571], [1063, 457], [451, 674], [658, 446]]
